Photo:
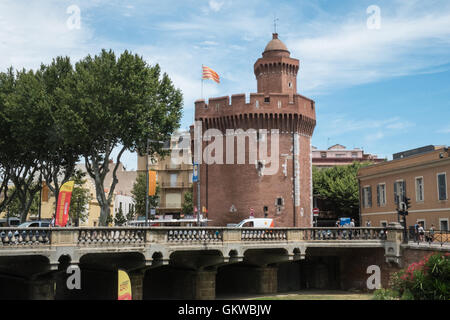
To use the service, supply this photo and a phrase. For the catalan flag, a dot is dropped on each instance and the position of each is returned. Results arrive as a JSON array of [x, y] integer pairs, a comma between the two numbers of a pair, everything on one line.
[[209, 73]]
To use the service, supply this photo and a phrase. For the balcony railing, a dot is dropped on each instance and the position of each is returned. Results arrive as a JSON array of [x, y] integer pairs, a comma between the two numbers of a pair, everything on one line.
[[165, 184], [173, 166]]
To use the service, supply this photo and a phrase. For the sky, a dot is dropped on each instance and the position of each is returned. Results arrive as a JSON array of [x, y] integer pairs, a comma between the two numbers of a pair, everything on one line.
[[379, 71]]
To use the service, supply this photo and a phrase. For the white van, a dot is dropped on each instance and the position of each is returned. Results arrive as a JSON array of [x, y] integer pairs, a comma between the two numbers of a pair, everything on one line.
[[254, 223]]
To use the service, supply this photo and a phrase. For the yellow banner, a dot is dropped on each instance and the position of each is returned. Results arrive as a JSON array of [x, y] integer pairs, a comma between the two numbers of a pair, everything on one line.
[[151, 183], [68, 186], [63, 204], [124, 286]]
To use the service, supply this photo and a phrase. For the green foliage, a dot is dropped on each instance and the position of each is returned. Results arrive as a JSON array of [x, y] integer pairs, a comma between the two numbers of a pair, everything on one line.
[[118, 102], [15, 207], [109, 220], [80, 198], [139, 191], [385, 294], [188, 206], [130, 215], [119, 219], [52, 117], [339, 185], [428, 279]]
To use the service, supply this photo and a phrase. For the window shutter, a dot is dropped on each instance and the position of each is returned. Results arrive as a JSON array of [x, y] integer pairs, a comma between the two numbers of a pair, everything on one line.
[[370, 196], [404, 190], [378, 195], [395, 193]]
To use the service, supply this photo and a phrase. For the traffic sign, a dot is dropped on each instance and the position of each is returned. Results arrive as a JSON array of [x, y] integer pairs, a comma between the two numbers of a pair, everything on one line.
[[316, 212]]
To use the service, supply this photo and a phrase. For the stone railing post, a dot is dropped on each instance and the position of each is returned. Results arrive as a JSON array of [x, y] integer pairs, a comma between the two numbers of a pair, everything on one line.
[[64, 237], [232, 235], [295, 235], [156, 235], [392, 245], [395, 232]]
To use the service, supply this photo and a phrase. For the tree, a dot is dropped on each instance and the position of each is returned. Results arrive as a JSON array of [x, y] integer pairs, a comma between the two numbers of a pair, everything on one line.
[[58, 163], [118, 103], [7, 81], [130, 215], [14, 207], [80, 198], [339, 186], [139, 191], [25, 110], [188, 206], [119, 219]]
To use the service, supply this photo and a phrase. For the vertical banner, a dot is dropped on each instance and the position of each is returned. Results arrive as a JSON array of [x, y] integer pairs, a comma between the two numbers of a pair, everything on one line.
[[124, 286], [195, 173], [62, 208], [151, 183]]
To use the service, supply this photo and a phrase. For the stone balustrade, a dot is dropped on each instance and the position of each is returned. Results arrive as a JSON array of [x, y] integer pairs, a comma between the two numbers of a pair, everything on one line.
[[131, 236], [106, 236], [267, 234], [25, 237], [368, 233], [189, 235]]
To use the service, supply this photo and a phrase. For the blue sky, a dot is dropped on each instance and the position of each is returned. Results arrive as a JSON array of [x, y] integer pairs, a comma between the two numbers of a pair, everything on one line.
[[384, 90]]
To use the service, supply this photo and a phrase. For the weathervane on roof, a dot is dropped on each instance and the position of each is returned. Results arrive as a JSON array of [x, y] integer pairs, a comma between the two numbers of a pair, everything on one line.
[[275, 19]]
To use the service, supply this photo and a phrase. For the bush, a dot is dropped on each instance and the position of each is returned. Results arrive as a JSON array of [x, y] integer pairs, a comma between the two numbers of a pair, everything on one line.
[[385, 294], [428, 279]]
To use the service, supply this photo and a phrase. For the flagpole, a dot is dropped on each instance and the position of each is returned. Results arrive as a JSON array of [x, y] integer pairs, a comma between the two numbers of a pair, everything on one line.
[[202, 83], [198, 169]]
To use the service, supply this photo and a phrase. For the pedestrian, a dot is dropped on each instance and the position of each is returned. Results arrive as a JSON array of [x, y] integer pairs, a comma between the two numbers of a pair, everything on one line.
[[431, 234], [416, 232], [421, 232], [368, 223], [352, 225]]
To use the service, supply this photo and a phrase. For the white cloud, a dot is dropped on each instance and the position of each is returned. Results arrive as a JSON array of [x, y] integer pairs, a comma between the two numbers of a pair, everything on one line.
[[344, 124], [444, 130], [342, 54], [215, 5]]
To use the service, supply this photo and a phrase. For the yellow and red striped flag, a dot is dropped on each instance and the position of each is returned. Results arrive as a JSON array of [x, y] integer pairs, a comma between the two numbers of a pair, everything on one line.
[[209, 73]]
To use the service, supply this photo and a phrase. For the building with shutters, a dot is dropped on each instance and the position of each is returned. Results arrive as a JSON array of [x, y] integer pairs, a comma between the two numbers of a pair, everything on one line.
[[173, 174], [339, 155], [419, 174]]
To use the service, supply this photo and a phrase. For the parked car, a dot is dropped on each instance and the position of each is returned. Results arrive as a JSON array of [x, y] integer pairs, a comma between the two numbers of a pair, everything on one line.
[[28, 224], [35, 224], [253, 223], [9, 222]]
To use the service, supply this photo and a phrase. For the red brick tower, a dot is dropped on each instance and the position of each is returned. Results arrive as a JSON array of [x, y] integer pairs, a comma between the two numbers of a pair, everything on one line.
[[230, 190]]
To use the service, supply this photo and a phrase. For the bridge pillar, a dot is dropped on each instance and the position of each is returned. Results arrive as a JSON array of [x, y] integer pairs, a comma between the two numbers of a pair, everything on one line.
[[205, 285], [266, 280], [178, 283], [242, 279], [137, 284], [42, 288]]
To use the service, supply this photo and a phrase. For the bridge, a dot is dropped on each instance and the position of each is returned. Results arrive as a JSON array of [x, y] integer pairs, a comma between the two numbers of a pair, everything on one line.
[[192, 262]]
